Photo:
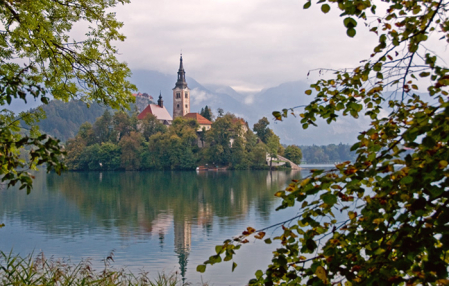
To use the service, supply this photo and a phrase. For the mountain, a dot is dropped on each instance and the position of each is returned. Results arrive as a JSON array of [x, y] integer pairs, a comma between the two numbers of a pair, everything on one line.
[[63, 121], [291, 95], [65, 118], [153, 82]]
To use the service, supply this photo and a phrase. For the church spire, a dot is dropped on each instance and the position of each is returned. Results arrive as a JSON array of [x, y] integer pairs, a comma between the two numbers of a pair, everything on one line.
[[181, 83], [160, 102]]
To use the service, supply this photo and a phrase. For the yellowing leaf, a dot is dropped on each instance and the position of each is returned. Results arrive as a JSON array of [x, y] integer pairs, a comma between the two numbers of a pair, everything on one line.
[[260, 235], [321, 273], [279, 194], [352, 215], [442, 164], [250, 229]]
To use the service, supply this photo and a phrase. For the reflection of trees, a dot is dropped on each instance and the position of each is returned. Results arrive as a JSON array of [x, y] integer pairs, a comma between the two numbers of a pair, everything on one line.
[[140, 204], [132, 201]]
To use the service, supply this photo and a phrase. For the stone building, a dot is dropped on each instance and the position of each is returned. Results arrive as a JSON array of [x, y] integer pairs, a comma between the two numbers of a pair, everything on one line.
[[157, 110], [181, 94]]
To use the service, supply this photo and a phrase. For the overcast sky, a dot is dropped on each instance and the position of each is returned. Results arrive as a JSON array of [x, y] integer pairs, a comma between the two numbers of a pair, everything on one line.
[[248, 45]]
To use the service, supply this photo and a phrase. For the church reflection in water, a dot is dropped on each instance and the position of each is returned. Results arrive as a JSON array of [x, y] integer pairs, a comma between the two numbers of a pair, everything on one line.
[[143, 205]]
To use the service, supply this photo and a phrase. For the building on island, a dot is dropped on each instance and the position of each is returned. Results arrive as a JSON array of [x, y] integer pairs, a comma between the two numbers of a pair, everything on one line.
[[203, 122], [181, 94], [157, 110], [181, 108], [142, 100]]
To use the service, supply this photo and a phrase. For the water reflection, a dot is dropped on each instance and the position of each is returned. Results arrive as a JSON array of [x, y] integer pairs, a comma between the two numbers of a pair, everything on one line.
[[143, 205]]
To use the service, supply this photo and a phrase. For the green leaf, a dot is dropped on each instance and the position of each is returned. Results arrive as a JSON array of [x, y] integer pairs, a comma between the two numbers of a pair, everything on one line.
[[234, 265], [277, 115], [309, 92], [351, 32], [259, 274], [307, 5], [349, 22], [267, 241], [201, 268], [325, 8], [329, 199]]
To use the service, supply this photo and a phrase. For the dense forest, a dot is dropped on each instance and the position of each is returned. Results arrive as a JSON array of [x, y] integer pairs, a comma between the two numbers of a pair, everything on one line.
[[121, 142]]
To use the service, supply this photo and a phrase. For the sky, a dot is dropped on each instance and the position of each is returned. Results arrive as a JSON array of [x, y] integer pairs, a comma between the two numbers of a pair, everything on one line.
[[248, 45]]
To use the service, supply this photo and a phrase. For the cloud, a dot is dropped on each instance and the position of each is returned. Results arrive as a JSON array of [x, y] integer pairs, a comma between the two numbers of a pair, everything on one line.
[[253, 44], [198, 96]]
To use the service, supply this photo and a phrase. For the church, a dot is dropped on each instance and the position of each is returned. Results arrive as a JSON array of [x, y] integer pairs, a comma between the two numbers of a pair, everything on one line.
[[181, 104]]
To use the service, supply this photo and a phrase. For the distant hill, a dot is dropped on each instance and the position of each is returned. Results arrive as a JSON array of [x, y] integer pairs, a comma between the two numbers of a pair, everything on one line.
[[65, 118]]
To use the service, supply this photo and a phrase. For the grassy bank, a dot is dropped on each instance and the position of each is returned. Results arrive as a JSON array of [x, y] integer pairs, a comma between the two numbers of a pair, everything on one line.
[[16, 270]]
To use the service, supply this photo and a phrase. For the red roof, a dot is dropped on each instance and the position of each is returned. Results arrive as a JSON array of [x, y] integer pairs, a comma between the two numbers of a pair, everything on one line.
[[201, 120], [160, 112], [239, 120]]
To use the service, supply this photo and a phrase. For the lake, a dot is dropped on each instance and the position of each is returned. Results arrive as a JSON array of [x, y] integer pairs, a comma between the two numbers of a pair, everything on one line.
[[152, 221]]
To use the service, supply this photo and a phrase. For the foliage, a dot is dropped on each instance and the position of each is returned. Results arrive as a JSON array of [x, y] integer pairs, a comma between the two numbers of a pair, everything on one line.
[[42, 149], [273, 144], [220, 112], [293, 153], [117, 142], [206, 112], [262, 130], [381, 220], [151, 125], [226, 131], [37, 34]]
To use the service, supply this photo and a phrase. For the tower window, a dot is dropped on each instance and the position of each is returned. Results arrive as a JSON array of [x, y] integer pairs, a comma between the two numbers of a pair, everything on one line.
[[186, 105], [177, 106], [178, 95], [186, 95]]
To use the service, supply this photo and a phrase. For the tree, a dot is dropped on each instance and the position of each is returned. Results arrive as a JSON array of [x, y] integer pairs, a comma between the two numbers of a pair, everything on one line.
[[293, 153], [262, 130], [273, 144], [220, 112], [39, 57], [380, 220], [102, 128], [206, 112], [151, 125], [219, 139], [131, 146]]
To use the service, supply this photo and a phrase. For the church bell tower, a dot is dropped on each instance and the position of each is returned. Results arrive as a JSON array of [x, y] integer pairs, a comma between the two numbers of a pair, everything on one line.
[[181, 94]]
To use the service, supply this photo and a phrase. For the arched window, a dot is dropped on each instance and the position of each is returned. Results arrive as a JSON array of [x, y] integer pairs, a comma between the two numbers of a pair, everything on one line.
[[177, 106], [186, 95], [178, 95]]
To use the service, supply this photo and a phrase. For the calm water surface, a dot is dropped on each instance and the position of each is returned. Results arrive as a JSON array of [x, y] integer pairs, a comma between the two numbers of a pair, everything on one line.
[[152, 221]]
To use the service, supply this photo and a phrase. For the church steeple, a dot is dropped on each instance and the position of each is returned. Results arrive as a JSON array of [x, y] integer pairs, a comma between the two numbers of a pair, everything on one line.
[[181, 93], [160, 102], [181, 83]]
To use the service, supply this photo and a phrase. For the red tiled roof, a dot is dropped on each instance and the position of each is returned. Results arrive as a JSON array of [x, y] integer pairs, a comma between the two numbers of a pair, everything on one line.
[[239, 120], [160, 112], [201, 120]]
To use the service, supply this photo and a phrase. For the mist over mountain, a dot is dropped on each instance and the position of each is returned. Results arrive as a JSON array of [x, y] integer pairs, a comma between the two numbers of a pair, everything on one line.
[[255, 106], [251, 107]]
